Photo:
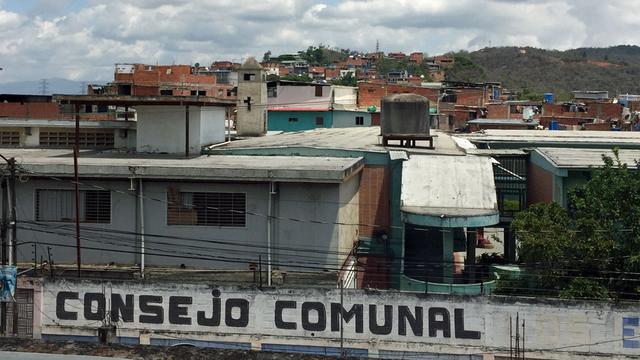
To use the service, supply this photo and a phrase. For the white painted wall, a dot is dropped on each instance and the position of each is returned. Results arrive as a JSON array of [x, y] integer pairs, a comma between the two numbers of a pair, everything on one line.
[[211, 125], [554, 329], [161, 129], [346, 118]]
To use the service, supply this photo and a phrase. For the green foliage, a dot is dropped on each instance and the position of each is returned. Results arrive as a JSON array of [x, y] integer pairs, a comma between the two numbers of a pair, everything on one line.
[[347, 80], [584, 288], [465, 69], [593, 248], [300, 78], [553, 71], [267, 56]]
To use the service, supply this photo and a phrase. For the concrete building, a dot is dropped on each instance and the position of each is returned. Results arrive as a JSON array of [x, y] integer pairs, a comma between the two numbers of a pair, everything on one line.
[[555, 171], [215, 212], [391, 216], [166, 80], [167, 124], [297, 106], [251, 118]]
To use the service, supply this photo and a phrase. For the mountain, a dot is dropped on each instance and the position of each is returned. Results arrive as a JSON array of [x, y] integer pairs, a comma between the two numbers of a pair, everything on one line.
[[53, 86], [535, 71]]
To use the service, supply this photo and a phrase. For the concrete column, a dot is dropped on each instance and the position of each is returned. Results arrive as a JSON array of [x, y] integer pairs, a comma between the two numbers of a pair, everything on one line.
[[509, 245], [447, 255], [472, 242]]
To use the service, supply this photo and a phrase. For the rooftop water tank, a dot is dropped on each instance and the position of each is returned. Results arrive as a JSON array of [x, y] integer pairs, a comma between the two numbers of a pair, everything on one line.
[[404, 115]]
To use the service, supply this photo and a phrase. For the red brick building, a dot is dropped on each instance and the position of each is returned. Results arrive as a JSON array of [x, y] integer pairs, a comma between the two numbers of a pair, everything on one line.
[[172, 80], [370, 93], [416, 57]]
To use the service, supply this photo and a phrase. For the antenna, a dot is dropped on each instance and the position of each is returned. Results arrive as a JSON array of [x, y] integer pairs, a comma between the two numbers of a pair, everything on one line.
[[44, 86]]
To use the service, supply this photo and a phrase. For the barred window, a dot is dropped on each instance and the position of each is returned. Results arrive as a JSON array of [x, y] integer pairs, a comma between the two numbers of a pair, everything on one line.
[[206, 208], [59, 205], [94, 139], [11, 138]]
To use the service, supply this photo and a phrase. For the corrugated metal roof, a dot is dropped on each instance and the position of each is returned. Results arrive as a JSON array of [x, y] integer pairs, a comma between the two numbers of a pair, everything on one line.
[[449, 185], [572, 158]]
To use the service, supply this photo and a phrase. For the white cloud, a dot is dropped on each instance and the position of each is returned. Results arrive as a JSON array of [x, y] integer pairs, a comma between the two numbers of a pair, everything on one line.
[[84, 42]]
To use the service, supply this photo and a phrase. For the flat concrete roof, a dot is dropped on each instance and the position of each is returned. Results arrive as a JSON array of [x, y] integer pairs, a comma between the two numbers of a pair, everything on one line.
[[519, 122], [579, 158], [102, 124], [351, 138], [96, 164], [449, 190], [537, 138], [129, 100]]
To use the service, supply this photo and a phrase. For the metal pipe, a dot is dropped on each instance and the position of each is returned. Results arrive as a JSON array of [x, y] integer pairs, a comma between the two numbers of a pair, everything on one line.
[[269, 225], [76, 151], [186, 131], [141, 201]]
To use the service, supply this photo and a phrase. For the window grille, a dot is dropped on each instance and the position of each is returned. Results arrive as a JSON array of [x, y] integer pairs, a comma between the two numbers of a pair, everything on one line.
[[11, 138], [206, 208], [95, 139], [59, 206]]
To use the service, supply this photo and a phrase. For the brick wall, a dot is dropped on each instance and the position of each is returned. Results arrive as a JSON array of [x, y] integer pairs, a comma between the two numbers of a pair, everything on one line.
[[370, 93], [539, 185], [470, 97], [374, 199], [38, 110], [605, 111], [497, 111], [600, 126]]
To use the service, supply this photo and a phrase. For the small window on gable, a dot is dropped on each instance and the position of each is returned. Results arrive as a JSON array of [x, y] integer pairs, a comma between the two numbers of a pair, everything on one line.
[[249, 77]]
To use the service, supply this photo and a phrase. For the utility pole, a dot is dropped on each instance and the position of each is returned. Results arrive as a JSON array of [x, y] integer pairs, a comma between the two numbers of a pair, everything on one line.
[[76, 152], [5, 257], [9, 198]]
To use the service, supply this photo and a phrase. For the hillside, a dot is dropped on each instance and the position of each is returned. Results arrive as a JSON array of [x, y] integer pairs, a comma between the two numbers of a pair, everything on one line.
[[616, 69]]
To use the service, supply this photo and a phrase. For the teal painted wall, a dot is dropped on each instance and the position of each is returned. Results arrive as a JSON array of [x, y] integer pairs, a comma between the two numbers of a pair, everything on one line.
[[306, 120]]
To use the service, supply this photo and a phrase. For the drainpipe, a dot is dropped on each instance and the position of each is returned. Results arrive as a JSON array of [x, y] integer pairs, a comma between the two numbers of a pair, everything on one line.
[[141, 201], [272, 193]]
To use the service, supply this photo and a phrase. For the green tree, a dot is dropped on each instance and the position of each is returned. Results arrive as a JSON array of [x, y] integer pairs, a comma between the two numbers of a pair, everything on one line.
[[267, 56], [347, 80]]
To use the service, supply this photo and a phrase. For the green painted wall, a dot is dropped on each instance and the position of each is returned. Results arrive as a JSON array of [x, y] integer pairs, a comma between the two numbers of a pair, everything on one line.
[[298, 120]]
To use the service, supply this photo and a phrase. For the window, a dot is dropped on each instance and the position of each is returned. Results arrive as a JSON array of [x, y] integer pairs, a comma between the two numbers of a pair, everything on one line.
[[319, 121], [166, 92], [95, 139], [318, 90], [198, 92], [293, 119], [11, 138], [359, 120], [249, 77], [88, 108], [60, 205], [206, 208]]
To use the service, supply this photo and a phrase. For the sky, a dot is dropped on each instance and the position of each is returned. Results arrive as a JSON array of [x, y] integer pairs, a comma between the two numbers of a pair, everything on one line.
[[82, 40]]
